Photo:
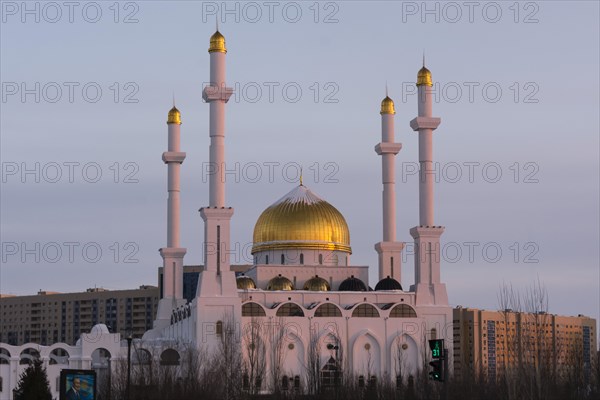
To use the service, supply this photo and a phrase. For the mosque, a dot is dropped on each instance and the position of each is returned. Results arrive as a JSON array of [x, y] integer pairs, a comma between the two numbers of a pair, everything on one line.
[[302, 305], [302, 281]]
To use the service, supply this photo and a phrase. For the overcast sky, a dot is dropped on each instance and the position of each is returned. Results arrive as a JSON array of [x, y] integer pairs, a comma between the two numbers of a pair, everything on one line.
[[86, 89]]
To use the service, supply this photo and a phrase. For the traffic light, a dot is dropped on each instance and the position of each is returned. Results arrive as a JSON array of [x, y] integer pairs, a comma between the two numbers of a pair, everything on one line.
[[437, 348], [437, 371], [438, 355]]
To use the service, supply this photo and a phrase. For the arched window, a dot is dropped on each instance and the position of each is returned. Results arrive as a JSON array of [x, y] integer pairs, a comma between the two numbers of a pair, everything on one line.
[[285, 382], [28, 355], [169, 357], [328, 310], [365, 311], [267, 259], [142, 357], [252, 310], [4, 356], [320, 259], [301, 258], [289, 310], [403, 311], [282, 259], [361, 381], [100, 358], [297, 382], [219, 328], [59, 356]]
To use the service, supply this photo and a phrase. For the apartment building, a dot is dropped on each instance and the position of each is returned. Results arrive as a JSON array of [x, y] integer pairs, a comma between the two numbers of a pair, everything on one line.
[[51, 317], [488, 342]]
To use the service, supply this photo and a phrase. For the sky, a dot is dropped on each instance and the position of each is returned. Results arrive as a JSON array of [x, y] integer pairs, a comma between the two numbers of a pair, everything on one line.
[[86, 87]]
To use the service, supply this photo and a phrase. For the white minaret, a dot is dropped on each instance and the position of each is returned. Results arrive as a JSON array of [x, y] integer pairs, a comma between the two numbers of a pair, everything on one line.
[[217, 279], [172, 285], [428, 284], [389, 250]]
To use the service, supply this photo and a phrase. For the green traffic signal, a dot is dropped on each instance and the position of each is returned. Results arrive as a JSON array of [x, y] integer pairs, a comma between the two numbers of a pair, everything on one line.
[[437, 371]]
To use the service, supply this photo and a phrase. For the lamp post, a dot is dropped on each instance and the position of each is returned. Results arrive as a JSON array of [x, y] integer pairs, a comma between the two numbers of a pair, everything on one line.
[[129, 339], [335, 347]]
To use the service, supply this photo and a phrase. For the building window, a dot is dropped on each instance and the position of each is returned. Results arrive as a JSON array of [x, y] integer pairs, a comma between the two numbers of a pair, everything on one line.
[[297, 382], [365, 311], [301, 258], [267, 259], [219, 328], [252, 310], [282, 259], [285, 383], [403, 311], [289, 310], [328, 310], [320, 259]]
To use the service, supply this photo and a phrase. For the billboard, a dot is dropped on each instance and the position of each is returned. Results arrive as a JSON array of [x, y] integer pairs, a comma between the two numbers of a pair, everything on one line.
[[77, 384]]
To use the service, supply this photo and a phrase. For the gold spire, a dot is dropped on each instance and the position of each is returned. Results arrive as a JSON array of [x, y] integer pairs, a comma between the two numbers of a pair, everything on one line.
[[217, 43], [387, 106], [424, 75], [174, 116]]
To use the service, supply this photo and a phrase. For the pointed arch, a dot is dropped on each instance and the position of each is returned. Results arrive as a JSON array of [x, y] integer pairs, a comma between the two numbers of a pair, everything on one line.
[[366, 354], [404, 354]]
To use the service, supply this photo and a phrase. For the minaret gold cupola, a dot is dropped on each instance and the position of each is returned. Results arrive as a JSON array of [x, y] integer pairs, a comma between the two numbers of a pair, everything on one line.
[[217, 43], [174, 116], [387, 106], [424, 77]]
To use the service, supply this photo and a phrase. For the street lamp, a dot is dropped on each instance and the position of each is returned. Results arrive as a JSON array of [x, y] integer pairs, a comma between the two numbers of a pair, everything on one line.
[[129, 340], [335, 347]]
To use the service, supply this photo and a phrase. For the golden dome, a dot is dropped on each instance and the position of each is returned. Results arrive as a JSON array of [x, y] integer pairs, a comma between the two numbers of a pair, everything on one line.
[[424, 77], [280, 283], [245, 282], [217, 43], [174, 116], [317, 284], [301, 220], [387, 106]]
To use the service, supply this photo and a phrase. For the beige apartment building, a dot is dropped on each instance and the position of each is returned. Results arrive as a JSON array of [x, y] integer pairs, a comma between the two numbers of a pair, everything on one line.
[[490, 342], [51, 317]]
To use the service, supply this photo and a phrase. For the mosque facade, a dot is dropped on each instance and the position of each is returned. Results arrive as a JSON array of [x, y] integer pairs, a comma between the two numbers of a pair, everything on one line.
[[302, 305]]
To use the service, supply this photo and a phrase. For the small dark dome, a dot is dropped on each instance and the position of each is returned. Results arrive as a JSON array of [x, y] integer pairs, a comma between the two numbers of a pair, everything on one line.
[[245, 282], [388, 284], [352, 284]]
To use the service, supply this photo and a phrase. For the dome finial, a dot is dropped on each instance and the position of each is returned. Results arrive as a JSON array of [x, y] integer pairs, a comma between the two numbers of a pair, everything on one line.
[[174, 116], [387, 104], [301, 176], [217, 42], [424, 75]]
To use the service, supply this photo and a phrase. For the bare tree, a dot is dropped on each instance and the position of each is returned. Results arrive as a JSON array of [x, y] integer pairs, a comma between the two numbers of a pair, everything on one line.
[[255, 364]]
